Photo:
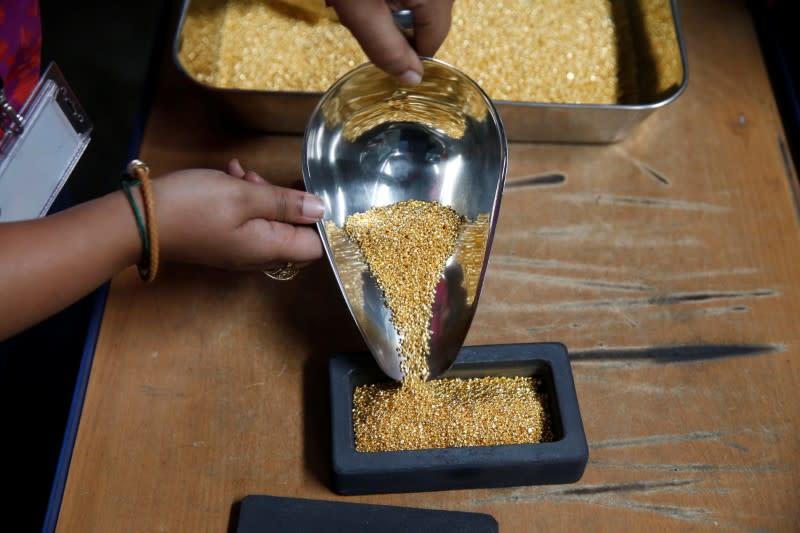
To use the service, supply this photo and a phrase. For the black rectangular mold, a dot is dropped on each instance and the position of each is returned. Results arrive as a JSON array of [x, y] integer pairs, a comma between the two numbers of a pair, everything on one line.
[[561, 460], [258, 514]]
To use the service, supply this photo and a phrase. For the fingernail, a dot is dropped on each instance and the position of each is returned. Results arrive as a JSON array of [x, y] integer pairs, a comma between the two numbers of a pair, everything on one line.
[[313, 207], [409, 77]]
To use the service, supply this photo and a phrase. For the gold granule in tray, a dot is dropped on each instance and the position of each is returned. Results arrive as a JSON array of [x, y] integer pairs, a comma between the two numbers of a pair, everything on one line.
[[573, 51], [449, 413]]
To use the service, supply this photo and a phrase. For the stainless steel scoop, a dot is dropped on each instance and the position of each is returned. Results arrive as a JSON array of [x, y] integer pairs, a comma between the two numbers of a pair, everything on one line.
[[372, 143]]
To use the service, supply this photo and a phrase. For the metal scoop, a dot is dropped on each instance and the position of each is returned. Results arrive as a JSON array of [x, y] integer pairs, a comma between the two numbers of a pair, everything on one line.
[[371, 143]]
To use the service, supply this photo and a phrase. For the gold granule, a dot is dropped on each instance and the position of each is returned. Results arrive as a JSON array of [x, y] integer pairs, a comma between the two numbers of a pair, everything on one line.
[[661, 69], [450, 413], [406, 246], [574, 51], [470, 252], [350, 266]]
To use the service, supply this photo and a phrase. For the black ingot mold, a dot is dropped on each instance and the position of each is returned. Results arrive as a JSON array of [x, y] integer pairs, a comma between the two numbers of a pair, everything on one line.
[[258, 514], [561, 460]]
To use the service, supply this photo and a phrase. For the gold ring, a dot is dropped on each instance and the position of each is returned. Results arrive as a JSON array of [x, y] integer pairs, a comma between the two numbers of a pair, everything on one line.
[[283, 273]]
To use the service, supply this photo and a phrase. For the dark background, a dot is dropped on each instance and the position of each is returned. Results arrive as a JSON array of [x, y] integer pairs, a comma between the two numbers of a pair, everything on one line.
[[105, 50]]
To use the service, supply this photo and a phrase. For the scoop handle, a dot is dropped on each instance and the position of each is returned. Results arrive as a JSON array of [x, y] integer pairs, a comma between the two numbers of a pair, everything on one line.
[[404, 19]]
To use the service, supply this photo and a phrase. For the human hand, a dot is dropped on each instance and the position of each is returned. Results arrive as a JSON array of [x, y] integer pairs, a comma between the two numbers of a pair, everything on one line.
[[371, 23], [234, 220]]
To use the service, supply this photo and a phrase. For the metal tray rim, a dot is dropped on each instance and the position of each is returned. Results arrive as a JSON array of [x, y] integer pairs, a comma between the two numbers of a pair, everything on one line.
[[514, 103]]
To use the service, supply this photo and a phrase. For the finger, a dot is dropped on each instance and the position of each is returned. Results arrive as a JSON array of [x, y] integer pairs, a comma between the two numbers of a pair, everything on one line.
[[371, 23], [252, 177], [281, 204], [431, 24], [274, 243], [235, 168]]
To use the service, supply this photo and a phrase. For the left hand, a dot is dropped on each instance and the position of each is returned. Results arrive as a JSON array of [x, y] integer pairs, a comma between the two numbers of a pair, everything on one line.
[[212, 218]]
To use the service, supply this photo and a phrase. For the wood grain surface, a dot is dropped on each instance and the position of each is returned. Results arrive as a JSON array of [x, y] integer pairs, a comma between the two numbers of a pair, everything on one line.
[[669, 264]]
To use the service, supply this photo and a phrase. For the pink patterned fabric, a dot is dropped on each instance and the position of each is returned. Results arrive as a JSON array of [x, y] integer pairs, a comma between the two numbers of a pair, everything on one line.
[[20, 48]]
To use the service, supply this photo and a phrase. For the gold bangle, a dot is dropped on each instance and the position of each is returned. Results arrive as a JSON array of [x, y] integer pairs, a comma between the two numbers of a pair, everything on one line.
[[148, 267]]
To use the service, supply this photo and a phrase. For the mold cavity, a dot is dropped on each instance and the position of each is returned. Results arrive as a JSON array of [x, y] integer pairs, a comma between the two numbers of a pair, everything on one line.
[[455, 412]]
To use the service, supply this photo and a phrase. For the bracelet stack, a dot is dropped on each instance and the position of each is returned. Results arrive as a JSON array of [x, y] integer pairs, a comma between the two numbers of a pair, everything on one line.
[[138, 174]]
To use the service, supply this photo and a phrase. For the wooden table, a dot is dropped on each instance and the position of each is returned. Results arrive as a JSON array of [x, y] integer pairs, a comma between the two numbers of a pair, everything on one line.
[[668, 264]]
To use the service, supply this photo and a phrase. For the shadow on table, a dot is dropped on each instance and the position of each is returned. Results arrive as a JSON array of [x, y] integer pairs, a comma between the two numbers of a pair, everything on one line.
[[317, 421], [315, 314], [233, 521]]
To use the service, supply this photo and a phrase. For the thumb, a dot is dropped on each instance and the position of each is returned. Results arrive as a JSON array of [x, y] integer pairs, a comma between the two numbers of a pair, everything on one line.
[[371, 23]]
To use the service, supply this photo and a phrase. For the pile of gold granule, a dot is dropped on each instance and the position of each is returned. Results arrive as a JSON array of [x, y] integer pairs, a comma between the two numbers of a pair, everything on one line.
[[406, 246], [449, 413], [560, 51]]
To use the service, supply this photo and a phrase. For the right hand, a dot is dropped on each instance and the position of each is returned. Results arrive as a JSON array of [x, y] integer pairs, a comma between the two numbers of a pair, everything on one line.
[[235, 220], [371, 23]]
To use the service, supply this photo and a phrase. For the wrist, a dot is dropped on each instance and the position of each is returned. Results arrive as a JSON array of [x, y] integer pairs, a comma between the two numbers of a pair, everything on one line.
[[138, 175], [131, 245]]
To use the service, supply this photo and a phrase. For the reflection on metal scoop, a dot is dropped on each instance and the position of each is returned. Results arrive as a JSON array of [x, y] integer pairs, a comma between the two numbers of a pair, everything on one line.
[[371, 143]]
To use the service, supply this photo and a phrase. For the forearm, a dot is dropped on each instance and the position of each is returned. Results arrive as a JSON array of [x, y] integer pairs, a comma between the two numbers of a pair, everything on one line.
[[49, 263]]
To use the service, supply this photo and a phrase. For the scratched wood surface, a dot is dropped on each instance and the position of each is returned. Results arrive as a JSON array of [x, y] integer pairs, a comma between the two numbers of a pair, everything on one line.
[[668, 264]]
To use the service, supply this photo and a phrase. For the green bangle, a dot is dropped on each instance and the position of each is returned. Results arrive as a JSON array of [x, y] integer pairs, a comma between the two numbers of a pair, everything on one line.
[[127, 184]]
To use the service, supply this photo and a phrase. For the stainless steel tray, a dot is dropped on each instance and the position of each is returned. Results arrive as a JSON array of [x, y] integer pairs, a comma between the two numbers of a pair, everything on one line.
[[288, 112]]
